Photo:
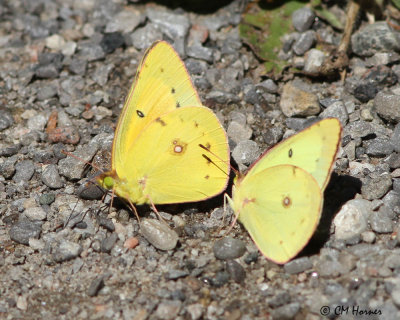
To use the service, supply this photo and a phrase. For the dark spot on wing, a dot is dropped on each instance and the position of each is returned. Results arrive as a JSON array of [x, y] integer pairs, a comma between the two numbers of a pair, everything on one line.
[[140, 113], [173, 90], [286, 202], [290, 152], [178, 105], [161, 121], [207, 177], [196, 124], [162, 70]]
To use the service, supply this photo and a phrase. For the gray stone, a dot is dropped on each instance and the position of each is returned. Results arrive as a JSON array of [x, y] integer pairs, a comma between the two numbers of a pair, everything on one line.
[[387, 106], [51, 177], [125, 21], [6, 119], [108, 243], [314, 60], [379, 147], [197, 51], [73, 168], [304, 42], [236, 271], [172, 24], [46, 92], [66, 250], [380, 222], [336, 110], [358, 129], [246, 152], [168, 310], [288, 311], [374, 38], [229, 248], [24, 229], [302, 19], [295, 101], [90, 51], [238, 132], [395, 138], [24, 171], [176, 274], [269, 86], [143, 38], [78, 66], [298, 265], [95, 286], [35, 213], [158, 234], [376, 188], [352, 219]]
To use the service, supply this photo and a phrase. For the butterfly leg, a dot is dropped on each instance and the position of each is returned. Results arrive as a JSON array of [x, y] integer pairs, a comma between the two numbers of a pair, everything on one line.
[[134, 209], [226, 197], [155, 210]]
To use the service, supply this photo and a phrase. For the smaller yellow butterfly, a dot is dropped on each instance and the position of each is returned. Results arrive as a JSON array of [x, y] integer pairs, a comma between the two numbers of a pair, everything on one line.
[[279, 201], [156, 153]]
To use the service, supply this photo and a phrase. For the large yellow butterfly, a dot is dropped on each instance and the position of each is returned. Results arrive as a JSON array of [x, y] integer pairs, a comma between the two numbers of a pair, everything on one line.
[[279, 201], [156, 153]]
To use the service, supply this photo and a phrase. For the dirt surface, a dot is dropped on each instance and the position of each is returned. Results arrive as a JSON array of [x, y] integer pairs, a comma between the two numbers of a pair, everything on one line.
[[65, 69]]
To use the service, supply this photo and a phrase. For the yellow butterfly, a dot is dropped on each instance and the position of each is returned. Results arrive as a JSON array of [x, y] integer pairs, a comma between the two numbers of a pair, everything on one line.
[[156, 153], [279, 200]]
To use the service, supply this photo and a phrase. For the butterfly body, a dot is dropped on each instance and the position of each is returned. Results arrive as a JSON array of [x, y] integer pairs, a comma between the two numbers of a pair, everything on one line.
[[156, 153]]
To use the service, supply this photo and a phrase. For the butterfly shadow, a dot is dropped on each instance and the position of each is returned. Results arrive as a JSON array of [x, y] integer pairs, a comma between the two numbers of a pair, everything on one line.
[[340, 189]]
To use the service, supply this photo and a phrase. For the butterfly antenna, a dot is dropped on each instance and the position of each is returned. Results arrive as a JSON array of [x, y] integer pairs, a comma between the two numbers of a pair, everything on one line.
[[219, 158], [80, 159]]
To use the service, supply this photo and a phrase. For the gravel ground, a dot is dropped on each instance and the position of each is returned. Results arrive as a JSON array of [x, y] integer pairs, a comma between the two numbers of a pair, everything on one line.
[[65, 69]]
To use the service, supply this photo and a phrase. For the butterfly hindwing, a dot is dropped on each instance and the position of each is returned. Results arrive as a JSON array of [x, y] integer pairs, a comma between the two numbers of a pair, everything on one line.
[[280, 208], [174, 168]]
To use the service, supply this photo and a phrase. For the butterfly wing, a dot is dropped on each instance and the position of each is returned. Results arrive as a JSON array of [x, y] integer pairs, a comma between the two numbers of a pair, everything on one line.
[[314, 150], [166, 163], [162, 84], [280, 207]]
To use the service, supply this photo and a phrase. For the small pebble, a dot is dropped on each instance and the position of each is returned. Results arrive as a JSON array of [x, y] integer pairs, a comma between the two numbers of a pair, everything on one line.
[[95, 286], [295, 101], [35, 213], [352, 219], [158, 234], [66, 250], [376, 188], [229, 248], [24, 229], [51, 177], [298, 265], [24, 171], [108, 243], [246, 152], [131, 243], [236, 271], [303, 19]]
